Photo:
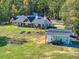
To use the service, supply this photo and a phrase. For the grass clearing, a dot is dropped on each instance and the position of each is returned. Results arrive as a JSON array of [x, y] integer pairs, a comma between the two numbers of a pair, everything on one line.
[[15, 28], [60, 26], [31, 50]]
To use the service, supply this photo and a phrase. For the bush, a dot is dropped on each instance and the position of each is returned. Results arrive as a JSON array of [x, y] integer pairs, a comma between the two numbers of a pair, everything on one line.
[[76, 27]]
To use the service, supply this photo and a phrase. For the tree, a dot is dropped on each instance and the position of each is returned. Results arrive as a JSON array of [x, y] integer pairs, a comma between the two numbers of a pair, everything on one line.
[[38, 6], [4, 9], [76, 26], [55, 6], [19, 7], [69, 13]]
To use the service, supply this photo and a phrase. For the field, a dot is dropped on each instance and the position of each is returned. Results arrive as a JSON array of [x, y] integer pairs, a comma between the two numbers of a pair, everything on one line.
[[34, 48]]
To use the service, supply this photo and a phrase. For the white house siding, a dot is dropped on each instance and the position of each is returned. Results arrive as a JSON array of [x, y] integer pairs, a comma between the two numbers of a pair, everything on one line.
[[44, 22]]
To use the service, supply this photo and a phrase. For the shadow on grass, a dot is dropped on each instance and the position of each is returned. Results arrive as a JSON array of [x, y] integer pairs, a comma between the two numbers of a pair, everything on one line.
[[3, 41]]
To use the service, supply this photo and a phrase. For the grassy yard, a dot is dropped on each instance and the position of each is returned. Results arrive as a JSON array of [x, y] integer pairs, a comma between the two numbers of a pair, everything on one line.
[[60, 26], [31, 50], [15, 28]]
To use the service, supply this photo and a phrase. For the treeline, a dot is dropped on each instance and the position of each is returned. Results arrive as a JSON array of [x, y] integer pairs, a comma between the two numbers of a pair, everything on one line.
[[9, 8], [67, 10], [54, 8]]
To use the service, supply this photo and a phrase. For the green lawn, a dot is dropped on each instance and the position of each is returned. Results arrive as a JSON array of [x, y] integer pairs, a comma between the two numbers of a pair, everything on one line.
[[60, 26], [15, 28], [31, 50]]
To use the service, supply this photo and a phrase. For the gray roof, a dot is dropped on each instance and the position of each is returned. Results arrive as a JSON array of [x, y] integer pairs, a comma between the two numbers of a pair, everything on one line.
[[59, 32], [21, 18], [41, 20]]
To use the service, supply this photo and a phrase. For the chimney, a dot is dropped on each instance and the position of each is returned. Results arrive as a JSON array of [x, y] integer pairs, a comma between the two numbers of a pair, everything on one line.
[[45, 17]]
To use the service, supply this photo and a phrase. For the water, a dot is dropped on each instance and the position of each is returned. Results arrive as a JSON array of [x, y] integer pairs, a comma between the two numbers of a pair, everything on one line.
[[73, 44]]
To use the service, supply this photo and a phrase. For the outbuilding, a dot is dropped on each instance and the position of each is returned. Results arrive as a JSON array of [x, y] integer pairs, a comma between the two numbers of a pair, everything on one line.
[[60, 36]]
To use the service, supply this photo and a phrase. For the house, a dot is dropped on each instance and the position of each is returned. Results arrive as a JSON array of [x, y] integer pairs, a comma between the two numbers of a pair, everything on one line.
[[59, 36], [20, 20], [13, 19], [31, 17], [41, 22], [23, 20], [31, 20]]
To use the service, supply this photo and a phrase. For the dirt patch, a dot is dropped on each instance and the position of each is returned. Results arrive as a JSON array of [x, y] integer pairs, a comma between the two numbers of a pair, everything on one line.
[[40, 39], [14, 41], [37, 37]]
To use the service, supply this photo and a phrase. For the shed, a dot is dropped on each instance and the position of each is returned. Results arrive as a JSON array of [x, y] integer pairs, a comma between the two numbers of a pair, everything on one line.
[[59, 35]]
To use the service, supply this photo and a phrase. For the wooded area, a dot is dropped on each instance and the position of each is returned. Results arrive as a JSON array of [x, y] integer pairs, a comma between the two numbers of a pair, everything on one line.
[[67, 10]]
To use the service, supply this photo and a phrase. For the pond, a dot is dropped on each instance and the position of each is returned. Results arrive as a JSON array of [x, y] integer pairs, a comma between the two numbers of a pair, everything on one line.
[[73, 44]]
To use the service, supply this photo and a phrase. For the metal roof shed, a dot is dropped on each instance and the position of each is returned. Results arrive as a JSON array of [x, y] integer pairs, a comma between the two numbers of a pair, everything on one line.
[[59, 35]]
